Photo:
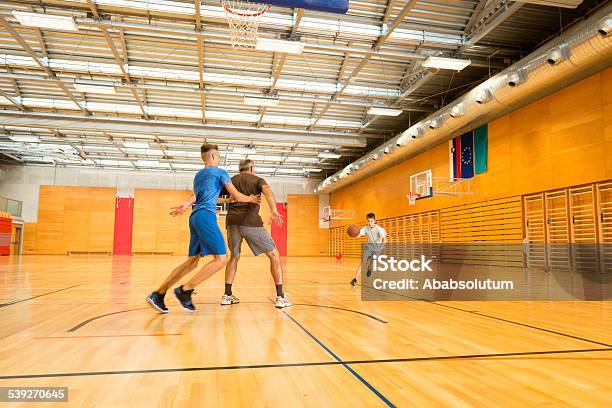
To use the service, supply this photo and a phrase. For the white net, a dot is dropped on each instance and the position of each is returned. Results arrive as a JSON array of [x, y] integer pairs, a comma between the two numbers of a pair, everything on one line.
[[412, 197], [243, 18]]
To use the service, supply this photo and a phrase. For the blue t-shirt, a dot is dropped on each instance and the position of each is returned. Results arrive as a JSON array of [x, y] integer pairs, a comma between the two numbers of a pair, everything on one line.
[[206, 185]]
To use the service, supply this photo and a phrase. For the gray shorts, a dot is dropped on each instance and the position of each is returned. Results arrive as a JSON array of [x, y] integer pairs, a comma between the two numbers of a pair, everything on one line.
[[257, 238]]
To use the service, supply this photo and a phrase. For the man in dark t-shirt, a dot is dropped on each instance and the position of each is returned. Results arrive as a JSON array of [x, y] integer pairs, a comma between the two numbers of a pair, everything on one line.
[[243, 222]]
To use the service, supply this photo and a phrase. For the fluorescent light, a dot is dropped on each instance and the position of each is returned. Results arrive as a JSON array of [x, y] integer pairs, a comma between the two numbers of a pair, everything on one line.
[[135, 145], [147, 163], [95, 87], [312, 170], [384, 111], [290, 47], [446, 63], [41, 20], [26, 139], [329, 155], [260, 101], [244, 150]]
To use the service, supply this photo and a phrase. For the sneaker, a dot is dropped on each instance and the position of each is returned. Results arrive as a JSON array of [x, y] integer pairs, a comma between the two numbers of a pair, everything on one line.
[[229, 299], [282, 302], [353, 282], [184, 298], [156, 300]]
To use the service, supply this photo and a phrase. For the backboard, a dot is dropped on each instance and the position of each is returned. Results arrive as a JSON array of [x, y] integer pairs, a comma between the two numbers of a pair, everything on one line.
[[331, 6], [421, 184]]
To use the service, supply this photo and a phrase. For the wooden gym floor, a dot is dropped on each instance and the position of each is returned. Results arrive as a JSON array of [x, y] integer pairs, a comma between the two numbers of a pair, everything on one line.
[[81, 322]]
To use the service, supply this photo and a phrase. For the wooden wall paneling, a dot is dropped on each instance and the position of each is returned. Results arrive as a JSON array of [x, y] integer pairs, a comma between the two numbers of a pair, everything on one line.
[[101, 219], [29, 238], [50, 226]]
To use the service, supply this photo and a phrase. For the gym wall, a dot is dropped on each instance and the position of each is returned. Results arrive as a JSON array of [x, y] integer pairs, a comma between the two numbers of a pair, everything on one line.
[[81, 219]]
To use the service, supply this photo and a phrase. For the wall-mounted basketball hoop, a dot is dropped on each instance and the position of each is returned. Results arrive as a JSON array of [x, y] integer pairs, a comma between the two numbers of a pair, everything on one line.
[[337, 214]]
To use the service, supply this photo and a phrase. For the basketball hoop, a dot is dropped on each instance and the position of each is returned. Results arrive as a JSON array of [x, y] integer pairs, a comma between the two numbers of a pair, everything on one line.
[[412, 197], [243, 17]]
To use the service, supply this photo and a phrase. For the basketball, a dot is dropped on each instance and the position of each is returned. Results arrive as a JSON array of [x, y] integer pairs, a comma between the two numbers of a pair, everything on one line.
[[353, 230], [339, 255]]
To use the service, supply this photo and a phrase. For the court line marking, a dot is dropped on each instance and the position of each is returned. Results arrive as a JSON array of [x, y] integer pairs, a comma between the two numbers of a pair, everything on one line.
[[339, 360], [433, 302], [483, 357], [84, 322], [346, 310], [34, 297]]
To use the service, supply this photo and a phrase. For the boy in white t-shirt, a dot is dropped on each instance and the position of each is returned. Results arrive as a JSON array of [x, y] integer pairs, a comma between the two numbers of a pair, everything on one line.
[[377, 237]]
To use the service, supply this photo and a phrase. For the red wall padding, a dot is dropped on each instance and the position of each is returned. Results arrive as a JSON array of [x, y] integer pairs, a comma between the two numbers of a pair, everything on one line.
[[6, 226], [279, 234], [124, 218]]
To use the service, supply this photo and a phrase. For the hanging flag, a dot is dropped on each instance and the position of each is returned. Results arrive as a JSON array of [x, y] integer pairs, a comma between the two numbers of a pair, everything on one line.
[[467, 155], [451, 158], [455, 156], [481, 137]]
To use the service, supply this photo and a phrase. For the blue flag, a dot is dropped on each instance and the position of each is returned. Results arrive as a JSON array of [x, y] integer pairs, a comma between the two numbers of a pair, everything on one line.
[[467, 155]]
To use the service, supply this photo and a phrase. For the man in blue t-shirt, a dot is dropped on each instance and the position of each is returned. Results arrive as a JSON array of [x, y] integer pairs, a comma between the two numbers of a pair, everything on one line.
[[206, 238]]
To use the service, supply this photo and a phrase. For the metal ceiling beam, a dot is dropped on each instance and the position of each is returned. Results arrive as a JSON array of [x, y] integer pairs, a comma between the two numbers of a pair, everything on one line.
[[13, 101], [176, 129], [488, 19], [388, 11], [476, 15], [117, 57], [40, 63]]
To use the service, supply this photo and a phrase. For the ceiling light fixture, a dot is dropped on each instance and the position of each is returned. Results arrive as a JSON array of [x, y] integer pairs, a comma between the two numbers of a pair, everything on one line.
[[329, 155], [41, 20], [380, 111], [446, 63], [273, 45]]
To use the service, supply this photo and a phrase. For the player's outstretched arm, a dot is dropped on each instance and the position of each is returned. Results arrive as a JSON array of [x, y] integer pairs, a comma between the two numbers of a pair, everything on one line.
[[241, 198], [179, 210], [271, 200]]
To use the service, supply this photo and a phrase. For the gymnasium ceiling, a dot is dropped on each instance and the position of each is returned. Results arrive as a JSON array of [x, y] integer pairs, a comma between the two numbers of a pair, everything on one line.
[[178, 82]]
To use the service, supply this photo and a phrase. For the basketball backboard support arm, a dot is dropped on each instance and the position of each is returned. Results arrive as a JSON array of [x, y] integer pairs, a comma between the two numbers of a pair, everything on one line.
[[423, 185]]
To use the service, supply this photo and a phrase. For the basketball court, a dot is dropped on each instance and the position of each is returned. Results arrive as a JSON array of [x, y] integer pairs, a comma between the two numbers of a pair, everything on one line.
[[440, 169]]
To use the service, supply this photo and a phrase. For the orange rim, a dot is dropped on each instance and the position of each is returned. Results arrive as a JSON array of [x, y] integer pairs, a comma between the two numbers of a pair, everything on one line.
[[257, 14]]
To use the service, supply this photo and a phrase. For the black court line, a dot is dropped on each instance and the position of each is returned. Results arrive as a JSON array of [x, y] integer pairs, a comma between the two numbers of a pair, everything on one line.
[[344, 364], [34, 297], [84, 322], [307, 364], [346, 310], [432, 302]]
